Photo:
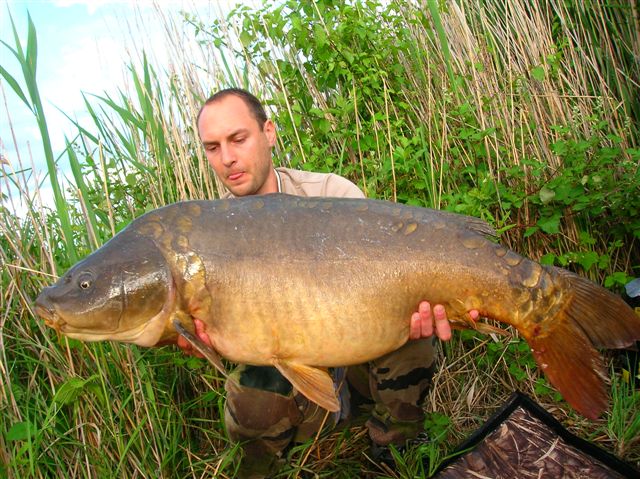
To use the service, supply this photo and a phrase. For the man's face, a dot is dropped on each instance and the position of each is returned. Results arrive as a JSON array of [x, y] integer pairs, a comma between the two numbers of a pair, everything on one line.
[[238, 150]]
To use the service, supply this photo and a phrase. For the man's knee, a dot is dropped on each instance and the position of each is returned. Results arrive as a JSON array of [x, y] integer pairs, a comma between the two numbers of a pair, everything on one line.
[[400, 382], [260, 406]]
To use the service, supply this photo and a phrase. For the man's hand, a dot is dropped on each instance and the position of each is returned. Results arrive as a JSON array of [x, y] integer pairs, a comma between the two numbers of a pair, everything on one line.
[[427, 321], [200, 333]]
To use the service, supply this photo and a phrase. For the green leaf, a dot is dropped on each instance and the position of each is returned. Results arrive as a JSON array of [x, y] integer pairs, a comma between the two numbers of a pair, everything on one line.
[[245, 38], [588, 259], [548, 259], [538, 73], [194, 363], [320, 35], [131, 179], [546, 195], [69, 392], [550, 224], [125, 114], [619, 278], [20, 431], [517, 372], [604, 261]]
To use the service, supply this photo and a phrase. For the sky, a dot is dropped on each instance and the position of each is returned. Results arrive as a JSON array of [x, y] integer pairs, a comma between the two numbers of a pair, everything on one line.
[[82, 47]]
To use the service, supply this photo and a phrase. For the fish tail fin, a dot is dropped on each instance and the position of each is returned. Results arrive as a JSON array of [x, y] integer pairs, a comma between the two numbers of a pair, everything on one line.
[[604, 317], [573, 366], [565, 347]]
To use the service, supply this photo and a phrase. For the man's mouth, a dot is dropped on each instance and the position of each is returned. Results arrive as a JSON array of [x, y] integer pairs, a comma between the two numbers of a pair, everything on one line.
[[235, 176]]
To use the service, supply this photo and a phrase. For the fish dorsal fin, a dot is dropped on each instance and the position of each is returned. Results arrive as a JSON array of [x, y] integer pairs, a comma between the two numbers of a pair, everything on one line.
[[438, 218], [313, 383], [474, 224], [204, 349], [483, 228]]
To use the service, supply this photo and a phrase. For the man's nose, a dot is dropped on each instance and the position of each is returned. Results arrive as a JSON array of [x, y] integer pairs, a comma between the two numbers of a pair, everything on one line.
[[227, 156]]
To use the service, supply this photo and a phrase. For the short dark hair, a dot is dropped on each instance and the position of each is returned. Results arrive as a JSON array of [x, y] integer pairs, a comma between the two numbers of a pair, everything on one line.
[[252, 102]]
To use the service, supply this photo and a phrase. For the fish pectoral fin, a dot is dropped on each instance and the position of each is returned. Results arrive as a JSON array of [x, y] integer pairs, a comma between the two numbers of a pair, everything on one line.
[[207, 351], [486, 328], [314, 383]]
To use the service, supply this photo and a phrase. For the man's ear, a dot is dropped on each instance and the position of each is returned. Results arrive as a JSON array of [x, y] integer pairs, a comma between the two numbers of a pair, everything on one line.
[[270, 130]]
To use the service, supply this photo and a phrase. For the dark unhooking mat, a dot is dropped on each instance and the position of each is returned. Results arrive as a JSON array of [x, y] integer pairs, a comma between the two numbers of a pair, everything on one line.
[[523, 441]]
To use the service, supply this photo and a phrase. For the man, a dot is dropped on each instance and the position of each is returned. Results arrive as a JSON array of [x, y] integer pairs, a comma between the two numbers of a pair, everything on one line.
[[262, 408]]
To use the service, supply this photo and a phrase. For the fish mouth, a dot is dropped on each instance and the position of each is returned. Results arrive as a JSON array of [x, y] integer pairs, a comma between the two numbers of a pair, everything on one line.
[[49, 317], [55, 321]]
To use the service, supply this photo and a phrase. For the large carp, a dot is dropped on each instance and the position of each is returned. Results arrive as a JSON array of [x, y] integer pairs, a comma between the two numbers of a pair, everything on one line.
[[309, 283]]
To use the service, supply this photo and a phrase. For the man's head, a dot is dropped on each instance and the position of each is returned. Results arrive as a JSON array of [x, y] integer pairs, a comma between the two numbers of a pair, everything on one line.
[[237, 138]]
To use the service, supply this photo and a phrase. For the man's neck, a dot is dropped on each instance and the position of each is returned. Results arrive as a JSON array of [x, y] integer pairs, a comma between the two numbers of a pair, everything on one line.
[[272, 184]]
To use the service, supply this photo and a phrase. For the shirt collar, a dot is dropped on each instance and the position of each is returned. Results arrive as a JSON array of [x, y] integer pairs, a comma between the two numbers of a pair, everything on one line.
[[279, 180]]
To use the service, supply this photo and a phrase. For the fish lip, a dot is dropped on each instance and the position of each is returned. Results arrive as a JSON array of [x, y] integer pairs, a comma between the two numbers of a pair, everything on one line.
[[50, 317], [43, 312]]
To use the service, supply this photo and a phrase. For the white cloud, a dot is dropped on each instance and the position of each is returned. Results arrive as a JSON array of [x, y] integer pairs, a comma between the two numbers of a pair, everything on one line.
[[93, 64], [94, 5]]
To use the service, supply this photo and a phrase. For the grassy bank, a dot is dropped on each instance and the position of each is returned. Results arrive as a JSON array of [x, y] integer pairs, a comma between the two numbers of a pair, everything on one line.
[[523, 114]]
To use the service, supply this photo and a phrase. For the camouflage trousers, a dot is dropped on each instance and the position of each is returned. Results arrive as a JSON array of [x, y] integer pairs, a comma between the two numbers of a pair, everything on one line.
[[266, 413]]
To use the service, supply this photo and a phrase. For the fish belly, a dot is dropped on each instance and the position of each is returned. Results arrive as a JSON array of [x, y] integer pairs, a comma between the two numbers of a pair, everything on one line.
[[338, 312]]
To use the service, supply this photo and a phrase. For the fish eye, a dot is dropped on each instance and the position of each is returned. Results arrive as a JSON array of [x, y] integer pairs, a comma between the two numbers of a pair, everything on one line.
[[85, 281]]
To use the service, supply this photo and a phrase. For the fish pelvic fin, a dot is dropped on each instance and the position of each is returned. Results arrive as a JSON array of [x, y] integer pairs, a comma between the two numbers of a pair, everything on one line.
[[314, 383], [565, 346], [207, 351]]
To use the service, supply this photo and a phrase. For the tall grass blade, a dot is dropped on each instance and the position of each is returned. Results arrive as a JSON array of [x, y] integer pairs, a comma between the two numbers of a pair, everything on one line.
[[28, 65], [88, 210], [434, 9], [14, 85]]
